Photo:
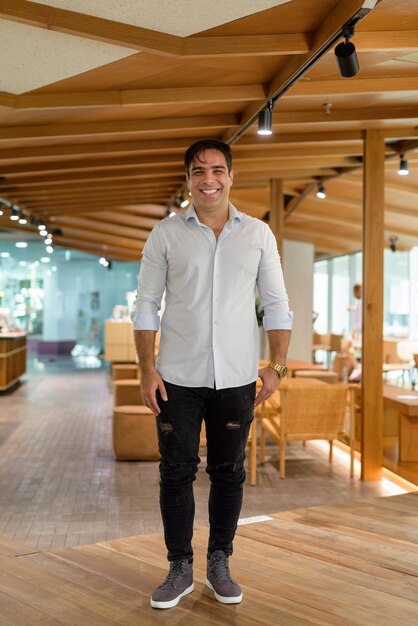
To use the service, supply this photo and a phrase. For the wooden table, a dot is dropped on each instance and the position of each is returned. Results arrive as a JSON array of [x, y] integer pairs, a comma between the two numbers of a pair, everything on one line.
[[405, 402], [294, 365]]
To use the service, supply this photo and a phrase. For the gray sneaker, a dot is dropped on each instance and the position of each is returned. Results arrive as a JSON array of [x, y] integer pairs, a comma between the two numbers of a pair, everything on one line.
[[178, 583], [218, 578]]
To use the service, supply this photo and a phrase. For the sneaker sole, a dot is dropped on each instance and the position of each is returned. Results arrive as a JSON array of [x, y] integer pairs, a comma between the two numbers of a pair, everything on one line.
[[224, 599], [170, 603]]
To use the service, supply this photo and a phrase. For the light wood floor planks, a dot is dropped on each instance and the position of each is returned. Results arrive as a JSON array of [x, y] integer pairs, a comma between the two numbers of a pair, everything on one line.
[[344, 564]]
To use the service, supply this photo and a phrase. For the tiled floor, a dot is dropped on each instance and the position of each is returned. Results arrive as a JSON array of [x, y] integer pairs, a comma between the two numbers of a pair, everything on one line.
[[60, 485]]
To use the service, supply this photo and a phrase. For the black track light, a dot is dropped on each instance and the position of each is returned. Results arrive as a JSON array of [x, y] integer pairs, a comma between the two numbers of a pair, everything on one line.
[[265, 120], [403, 166], [321, 193], [14, 216], [392, 243], [346, 55]]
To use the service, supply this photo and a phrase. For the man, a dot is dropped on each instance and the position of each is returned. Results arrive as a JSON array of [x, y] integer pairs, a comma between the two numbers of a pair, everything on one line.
[[209, 260]]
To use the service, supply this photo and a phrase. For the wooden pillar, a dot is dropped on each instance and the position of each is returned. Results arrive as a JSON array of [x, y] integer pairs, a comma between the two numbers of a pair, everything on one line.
[[372, 352], [277, 212]]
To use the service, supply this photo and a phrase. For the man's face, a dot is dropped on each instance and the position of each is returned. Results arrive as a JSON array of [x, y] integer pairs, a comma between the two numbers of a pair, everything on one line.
[[209, 181]]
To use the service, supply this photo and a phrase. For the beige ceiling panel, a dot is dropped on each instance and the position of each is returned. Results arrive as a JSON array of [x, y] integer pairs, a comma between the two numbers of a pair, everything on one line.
[[34, 57], [182, 17]]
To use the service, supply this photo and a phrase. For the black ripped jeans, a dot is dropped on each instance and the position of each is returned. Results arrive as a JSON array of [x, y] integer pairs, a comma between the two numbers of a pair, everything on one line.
[[228, 414]]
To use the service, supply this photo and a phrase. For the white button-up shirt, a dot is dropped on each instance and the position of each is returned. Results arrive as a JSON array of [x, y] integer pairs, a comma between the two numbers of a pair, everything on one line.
[[209, 332]]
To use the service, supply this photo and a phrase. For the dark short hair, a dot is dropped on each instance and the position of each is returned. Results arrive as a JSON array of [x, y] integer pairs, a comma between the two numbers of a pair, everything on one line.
[[207, 144]]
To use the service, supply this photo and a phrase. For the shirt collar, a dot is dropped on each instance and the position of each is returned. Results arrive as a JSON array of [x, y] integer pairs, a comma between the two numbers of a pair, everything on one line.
[[234, 214]]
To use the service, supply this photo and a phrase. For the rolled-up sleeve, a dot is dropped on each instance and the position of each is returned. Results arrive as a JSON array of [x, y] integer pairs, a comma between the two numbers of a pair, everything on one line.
[[151, 283], [271, 287]]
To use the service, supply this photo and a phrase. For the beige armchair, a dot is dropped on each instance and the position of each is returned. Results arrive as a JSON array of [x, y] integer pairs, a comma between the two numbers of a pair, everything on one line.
[[309, 412]]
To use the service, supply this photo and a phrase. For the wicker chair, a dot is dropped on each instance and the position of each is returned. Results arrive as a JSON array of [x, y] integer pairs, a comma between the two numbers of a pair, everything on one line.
[[309, 412]]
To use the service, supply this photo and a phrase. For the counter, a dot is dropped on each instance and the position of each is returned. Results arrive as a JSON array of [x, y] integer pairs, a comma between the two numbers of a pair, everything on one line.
[[12, 358]]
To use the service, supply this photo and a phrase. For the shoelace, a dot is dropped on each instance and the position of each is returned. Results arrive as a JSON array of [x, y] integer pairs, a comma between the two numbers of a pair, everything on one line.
[[176, 569], [219, 567]]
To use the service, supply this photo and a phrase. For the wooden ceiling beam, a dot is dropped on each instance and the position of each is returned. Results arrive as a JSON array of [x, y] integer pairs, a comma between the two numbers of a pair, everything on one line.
[[246, 45], [281, 118], [99, 227], [112, 252], [260, 158], [90, 27], [114, 200], [158, 146], [121, 127], [85, 161], [111, 189], [297, 200], [82, 187], [82, 209], [336, 245], [70, 177], [125, 219], [93, 164], [80, 206], [130, 243], [132, 97], [385, 41], [295, 43], [309, 88]]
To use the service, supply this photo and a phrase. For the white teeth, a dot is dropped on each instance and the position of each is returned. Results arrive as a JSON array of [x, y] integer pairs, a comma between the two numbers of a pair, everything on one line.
[[208, 190]]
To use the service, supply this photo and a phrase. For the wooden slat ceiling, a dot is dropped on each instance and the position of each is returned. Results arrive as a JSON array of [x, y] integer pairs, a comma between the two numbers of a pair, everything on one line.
[[99, 156]]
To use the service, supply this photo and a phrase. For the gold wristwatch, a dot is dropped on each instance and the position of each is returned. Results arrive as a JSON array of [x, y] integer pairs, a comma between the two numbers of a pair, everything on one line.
[[281, 370]]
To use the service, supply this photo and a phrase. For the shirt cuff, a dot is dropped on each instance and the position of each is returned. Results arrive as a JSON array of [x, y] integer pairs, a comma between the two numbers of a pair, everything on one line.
[[278, 322], [145, 321]]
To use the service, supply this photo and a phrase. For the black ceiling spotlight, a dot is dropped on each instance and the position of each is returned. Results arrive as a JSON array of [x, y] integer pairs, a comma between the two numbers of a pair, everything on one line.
[[265, 120], [346, 54], [392, 243], [321, 193], [403, 166]]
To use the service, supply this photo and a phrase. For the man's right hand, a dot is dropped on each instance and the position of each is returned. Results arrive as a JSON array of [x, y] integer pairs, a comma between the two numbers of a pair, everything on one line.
[[150, 382]]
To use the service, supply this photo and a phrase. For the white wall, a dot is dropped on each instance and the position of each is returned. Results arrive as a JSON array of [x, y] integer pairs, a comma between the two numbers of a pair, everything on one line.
[[298, 259]]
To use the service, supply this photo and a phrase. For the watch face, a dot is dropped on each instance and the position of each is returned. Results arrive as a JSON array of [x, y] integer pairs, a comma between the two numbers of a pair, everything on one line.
[[283, 371]]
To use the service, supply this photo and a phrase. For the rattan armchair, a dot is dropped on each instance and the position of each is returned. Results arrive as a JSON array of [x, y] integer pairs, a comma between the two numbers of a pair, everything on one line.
[[309, 412]]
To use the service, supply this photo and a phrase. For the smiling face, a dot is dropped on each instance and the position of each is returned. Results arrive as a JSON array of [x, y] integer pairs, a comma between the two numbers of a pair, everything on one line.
[[209, 182]]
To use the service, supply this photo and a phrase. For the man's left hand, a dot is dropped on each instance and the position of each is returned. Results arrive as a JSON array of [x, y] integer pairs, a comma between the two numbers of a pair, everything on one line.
[[270, 383]]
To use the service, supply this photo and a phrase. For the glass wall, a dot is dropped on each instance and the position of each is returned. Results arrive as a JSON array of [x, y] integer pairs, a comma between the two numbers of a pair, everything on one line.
[[333, 293], [63, 296]]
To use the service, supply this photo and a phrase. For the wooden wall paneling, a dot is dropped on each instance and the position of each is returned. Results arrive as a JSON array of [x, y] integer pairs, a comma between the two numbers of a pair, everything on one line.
[[372, 350]]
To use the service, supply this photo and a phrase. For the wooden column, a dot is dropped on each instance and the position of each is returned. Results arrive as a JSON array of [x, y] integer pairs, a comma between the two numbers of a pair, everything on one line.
[[372, 352], [277, 211]]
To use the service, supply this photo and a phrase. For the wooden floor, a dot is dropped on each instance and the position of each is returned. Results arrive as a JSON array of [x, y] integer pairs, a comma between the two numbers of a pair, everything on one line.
[[351, 563]]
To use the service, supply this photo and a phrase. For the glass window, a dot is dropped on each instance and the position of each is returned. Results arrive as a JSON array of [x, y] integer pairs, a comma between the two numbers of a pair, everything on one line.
[[320, 296], [396, 294], [340, 322]]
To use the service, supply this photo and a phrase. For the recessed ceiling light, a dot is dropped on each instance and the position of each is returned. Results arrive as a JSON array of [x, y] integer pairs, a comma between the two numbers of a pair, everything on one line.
[[45, 259], [21, 244]]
